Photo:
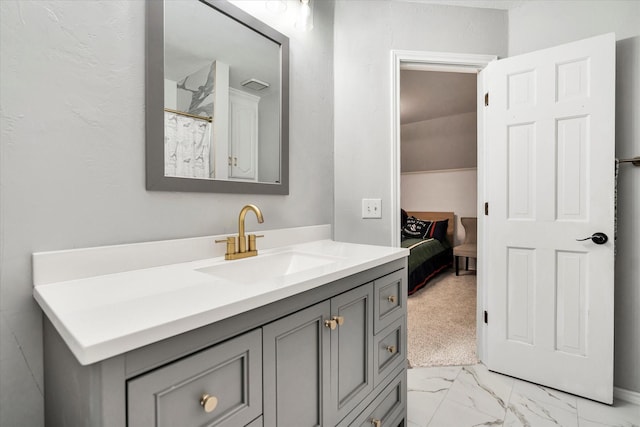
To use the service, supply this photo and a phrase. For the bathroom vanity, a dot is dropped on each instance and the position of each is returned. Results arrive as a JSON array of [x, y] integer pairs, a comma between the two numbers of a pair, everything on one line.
[[308, 333]]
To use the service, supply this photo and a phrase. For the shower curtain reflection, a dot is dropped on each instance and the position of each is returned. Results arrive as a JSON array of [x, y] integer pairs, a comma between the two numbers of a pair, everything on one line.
[[187, 146]]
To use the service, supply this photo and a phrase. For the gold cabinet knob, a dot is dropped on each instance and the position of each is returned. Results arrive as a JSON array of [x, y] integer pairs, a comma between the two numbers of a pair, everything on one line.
[[339, 320], [391, 349], [331, 324], [209, 403], [391, 298], [376, 423]]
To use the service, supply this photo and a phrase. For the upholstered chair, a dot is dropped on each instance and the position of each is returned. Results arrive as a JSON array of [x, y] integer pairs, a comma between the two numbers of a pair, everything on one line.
[[468, 248]]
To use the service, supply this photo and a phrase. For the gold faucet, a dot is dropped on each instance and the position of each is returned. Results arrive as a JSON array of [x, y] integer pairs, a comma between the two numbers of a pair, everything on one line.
[[242, 250]]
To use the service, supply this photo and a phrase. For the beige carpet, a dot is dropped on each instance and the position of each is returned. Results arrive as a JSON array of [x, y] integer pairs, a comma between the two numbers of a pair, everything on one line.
[[441, 322]]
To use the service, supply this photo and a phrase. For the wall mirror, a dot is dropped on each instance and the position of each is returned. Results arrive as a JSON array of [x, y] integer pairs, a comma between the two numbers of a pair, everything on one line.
[[217, 93]]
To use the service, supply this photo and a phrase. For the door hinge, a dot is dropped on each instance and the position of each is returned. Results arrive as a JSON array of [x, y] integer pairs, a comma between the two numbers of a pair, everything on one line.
[[486, 317], [486, 99], [486, 208]]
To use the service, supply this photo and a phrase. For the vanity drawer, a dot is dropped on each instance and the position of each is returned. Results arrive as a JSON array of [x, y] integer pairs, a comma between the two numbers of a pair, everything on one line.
[[258, 422], [398, 422], [175, 395], [390, 349], [390, 299], [387, 409]]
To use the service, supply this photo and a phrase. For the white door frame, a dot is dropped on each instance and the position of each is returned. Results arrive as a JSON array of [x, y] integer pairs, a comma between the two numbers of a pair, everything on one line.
[[449, 62]]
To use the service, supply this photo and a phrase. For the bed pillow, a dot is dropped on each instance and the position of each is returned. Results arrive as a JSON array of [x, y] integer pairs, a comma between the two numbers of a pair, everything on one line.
[[416, 228], [439, 230]]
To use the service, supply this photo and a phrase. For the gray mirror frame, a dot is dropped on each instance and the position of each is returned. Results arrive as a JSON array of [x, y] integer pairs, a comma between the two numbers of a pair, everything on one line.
[[154, 88]]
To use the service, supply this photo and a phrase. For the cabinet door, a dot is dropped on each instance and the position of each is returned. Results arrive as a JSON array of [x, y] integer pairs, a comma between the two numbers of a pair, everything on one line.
[[220, 386], [296, 369], [243, 135], [351, 349]]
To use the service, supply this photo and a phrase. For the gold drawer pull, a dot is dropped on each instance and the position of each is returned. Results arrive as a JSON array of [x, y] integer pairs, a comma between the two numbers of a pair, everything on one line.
[[339, 320], [209, 403], [331, 324], [391, 298], [391, 349], [376, 423]]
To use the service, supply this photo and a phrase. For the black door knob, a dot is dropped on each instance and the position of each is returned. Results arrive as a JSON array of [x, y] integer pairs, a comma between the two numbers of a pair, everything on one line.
[[597, 238]]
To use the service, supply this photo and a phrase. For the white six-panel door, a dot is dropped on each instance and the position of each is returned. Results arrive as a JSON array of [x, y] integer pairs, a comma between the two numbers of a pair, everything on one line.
[[549, 137]]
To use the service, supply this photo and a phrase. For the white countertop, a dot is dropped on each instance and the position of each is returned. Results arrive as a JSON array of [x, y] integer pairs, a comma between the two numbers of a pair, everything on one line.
[[107, 315]]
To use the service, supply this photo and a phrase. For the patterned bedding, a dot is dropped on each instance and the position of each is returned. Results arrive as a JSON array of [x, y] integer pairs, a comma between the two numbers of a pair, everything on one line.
[[427, 258]]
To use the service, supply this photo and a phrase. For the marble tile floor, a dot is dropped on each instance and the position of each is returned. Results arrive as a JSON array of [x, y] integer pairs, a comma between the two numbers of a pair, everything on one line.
[[461, 396]]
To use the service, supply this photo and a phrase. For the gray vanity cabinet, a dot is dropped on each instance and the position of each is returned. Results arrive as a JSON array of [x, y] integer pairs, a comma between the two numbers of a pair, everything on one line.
[[331, 356]]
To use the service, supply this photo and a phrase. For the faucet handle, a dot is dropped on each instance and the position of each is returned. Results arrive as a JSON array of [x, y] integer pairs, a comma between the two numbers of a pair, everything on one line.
[[252, 241], [225, 240], [231, 244]]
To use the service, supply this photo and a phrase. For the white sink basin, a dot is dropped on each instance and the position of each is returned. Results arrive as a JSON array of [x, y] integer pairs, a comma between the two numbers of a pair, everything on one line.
[[269, 266], [96, 305]]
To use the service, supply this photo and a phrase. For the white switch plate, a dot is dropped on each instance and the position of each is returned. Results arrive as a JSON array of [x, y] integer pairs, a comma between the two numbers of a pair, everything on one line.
[[371, 208]]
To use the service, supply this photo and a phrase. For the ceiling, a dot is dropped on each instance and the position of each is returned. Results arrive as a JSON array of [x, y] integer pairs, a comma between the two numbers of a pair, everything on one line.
[[426, 95], [486, 4]]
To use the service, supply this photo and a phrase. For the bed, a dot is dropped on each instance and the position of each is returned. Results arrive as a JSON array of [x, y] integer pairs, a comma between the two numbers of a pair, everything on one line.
[[428, 256]]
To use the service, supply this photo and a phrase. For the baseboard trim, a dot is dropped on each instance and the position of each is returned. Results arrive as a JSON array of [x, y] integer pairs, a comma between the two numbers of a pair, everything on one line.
[[626, 395]]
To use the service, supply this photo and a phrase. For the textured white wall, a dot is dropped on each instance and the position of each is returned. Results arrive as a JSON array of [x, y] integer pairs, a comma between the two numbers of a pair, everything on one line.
[[443, 143], [72, 158], [560, 22], [365, 34], [441, 191]]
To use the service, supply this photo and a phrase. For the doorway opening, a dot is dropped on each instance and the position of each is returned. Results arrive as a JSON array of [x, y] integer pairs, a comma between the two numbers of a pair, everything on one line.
[[438, 183], [450, 67]]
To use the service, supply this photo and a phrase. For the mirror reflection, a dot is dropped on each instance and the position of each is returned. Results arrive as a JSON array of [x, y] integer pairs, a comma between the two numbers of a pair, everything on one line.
[[222, 97]]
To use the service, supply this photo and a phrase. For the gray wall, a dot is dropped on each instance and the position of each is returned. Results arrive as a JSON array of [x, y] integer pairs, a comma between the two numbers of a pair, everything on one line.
[[565, 21], [72, 158], [365, 33]]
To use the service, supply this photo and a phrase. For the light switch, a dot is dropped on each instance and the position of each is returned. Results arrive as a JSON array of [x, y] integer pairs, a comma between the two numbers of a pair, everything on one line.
[[371, 208]]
